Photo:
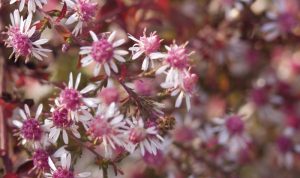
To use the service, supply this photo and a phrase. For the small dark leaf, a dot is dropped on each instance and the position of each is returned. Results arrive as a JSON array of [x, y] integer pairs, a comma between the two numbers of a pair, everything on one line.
[[62, 13]]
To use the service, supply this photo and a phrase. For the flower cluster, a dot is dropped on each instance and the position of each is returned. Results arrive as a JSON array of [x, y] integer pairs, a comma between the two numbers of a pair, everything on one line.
[[184, 89]]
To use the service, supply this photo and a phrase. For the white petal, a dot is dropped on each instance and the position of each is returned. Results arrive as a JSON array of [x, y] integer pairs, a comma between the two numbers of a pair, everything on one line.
[[70, 85], [77, 81], [94, 36], [145, 64], [51, 164], [88, 88], [179, 100], [17, 123], [120, 52], [40, 41], [23, 115], [65, 137], [39, 111], [114, 66], [97, 69], [107, 69], [119, 58], [118, 43], [137, 55], [161, 69], [111, 36], [73, 18]]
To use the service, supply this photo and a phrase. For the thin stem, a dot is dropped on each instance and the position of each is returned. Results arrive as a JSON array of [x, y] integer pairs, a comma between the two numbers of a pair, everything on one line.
[[105, 172]]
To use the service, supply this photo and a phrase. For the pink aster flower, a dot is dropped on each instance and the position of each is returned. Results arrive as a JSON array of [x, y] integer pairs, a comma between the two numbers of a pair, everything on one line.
[[30, 129], [175, 64], [73, 100], [60, 122], [63, 170], [103, 51], [183, 90], [146, 138], [20, 38], [107, 127], [84, 11], [147, 46], [31, 4]]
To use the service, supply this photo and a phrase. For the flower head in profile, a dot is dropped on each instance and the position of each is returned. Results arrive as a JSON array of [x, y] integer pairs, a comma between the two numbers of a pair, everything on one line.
[[143, 136], [30, 129], [147, 45], [184, 90], [31, 4], [63, 168], [20, 38], [73, 99], [103, 52], [83, 11], [175, 64], [107, 127]]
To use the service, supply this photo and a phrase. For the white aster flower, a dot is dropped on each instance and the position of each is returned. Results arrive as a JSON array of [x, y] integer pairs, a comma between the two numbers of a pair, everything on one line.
[[20, 38], [147, 46], [73, 100], [103, 51], [107, 127], [84, 11], [146, 138], [30, 129]]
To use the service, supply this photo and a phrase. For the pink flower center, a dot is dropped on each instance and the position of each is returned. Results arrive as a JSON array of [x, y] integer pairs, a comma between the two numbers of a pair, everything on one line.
[[137, 135], [235, 125], [86, 10], [102, 51], [63, 173], [31, 129], [150, 44], [21, 43], [60, 118], [70, 98], [99, 127], [190, 82], [40, 159], [109, 95], [177, 57]]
